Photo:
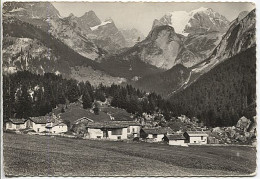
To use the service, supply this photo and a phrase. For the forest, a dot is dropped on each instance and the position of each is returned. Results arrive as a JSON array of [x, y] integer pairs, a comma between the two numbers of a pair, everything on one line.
[[26, 94], [224, 94]]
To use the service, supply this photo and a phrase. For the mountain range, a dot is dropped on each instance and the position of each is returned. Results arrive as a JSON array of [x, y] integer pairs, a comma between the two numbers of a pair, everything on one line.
[[180, 48]]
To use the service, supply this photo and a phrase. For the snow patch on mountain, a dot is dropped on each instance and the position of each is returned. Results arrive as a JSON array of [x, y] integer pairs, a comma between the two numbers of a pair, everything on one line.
[[102, 24], [179, 19]]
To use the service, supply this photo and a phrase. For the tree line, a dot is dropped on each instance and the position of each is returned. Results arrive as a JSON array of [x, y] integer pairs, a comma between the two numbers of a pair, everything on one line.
[[26, 94]]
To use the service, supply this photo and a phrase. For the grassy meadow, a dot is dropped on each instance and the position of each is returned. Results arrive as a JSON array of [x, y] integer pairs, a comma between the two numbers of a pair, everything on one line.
[[55, 156]]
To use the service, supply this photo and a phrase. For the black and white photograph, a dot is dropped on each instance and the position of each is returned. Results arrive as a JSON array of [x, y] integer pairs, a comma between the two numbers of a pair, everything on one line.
[[128, 89]]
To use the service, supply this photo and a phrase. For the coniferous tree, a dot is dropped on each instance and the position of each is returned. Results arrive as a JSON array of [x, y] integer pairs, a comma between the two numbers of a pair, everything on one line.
[[24, 104], [86, 100]]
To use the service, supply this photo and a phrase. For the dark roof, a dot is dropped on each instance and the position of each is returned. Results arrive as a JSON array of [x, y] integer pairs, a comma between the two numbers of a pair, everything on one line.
[[42, 119], [129, 123], [176, 137], [196, 133], [106, 125], [17, 121], [158, 130]]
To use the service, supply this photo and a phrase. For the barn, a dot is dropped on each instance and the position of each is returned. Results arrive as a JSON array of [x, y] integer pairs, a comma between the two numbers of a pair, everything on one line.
[[16, 124], [155, 134], [107, 130], [196, 137], [176, 139]]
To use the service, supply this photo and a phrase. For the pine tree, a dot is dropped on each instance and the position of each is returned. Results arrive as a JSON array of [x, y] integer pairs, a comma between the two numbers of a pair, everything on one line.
[[24, 105], [86, 100]]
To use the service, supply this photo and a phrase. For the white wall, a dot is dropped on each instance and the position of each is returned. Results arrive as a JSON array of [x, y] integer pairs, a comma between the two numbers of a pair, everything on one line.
[[115, 137], [176, 142], [59, 129], [41, 127], [134, 129], [157, 139], [11, 126], [95, 133], [198, 140]]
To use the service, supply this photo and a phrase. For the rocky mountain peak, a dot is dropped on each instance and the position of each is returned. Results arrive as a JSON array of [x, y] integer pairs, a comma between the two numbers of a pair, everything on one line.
[[200, 20], [90, 18], [35, 10], [160, 31], [242, 15]]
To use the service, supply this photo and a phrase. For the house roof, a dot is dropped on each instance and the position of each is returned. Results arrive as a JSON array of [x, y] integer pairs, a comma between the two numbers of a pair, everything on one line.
[[158, 130], [59, 124], [42, 119], [176, 137], [107, 125], [129, 123], [83, 119], [56, 123], [112, 124], [196, 133], [17, 121]]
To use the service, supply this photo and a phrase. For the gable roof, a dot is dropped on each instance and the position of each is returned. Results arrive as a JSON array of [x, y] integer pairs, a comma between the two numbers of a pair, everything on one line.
[[176, 137], [112, 124], [158, 130], [196, 133], [83, 119], [42, 119], [59, 124], [129, 123], [106, 125], [17, 121]]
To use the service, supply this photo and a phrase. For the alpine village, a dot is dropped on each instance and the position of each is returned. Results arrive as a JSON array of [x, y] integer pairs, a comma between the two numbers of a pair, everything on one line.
[[79, 83]]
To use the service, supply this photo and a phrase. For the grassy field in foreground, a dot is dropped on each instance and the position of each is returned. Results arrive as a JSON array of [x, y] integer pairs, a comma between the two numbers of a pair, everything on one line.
[[54, 156]]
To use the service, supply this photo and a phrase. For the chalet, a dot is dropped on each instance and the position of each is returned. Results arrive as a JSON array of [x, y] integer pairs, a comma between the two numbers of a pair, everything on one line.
[[56, 127], [133, 128], [107, 130], [176, 139], [156, 134], [16, 124], [38, 124], [48, 124], [196, 137]]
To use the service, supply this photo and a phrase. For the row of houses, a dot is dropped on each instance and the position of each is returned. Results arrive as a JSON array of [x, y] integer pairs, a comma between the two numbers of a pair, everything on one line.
[[166, 134], [120, 130], [38, 124], [111, 130]]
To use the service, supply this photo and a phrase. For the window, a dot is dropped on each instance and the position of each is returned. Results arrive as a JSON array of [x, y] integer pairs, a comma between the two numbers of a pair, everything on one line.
[[133, 130], [201, 137], [18, 126], [128, 130], [154, 135], [38, 129], [117, 132], [119, 137], [98, 137]]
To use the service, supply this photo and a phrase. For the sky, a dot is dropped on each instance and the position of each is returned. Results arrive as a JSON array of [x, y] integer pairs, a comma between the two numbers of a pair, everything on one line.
[[140, 15]]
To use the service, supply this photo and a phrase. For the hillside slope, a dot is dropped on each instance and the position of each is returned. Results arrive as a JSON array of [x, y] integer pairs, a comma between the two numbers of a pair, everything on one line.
[[222, 95]]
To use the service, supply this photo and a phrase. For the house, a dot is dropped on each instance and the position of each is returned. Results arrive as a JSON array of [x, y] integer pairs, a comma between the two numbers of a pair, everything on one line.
[[156, 134], [48, 124], [38, 124], [56, 127], [107, 130], [196, 137], [133, 128], [176, 139], [16, 124]]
